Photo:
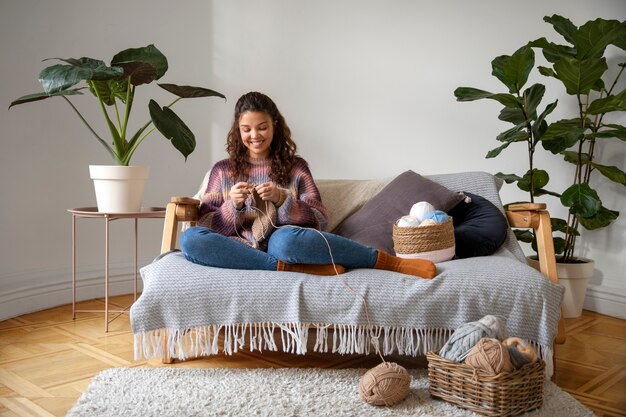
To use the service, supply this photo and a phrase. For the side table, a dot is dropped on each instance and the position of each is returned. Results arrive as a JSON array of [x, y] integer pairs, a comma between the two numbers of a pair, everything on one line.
[[92, 212]]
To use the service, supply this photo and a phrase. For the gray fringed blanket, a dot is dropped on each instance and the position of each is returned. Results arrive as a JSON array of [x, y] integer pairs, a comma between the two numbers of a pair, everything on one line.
[[405, 315]]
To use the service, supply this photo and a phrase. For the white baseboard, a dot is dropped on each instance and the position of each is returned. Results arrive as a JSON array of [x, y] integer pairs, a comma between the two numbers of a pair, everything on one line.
[[38, 293], [606, 300]]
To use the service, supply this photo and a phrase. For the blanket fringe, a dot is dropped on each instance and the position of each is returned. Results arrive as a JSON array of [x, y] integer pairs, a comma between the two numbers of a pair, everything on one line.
[[199, 341]]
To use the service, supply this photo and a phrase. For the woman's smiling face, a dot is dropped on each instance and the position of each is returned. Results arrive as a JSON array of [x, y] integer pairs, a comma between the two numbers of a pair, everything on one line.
[[257, 131]]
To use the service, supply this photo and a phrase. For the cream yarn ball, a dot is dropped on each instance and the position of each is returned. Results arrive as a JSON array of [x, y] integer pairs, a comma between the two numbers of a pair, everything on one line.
[[421, 210], [385, 384], [408, 221]]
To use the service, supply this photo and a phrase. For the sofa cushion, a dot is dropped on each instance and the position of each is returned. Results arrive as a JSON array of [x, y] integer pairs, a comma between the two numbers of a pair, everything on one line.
[[372, 224], [343, 198], [480, 228]]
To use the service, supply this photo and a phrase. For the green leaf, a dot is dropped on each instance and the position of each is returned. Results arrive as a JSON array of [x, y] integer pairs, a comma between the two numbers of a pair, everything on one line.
[[563, 26], [173, 128], [138, 73], [508, 178], [619, 132], [537, 177], [148, 55], [576, 158], [496, 151], [548, 72], [524, 235], [540, 126], [42, 96], [558, 225], [594, 36], [553, 52], [580, 76], [513, 70], [532, 97], [562, 135], [515, 134], [508, 100], [471, 94], [608, 104], [512, 115], [602, 218], [60, 77], [109, 90], [581, 200], [187, 91], [559, 245], [620, 42], [611, 172]]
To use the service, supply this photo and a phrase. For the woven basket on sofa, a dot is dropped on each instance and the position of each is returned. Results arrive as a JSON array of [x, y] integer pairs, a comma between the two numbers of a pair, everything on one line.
[[504, 394], [434, 242]]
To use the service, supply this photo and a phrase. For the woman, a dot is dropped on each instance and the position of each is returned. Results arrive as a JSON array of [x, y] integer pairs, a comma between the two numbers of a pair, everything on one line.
[[262, 209]]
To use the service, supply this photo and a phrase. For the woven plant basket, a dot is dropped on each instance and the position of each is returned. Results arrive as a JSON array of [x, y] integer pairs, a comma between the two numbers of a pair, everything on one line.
[[412, 241], [505, 394]]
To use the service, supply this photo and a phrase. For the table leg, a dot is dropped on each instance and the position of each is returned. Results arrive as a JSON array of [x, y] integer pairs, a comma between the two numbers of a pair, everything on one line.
[[73, 267], [136, 266], [106, 274]]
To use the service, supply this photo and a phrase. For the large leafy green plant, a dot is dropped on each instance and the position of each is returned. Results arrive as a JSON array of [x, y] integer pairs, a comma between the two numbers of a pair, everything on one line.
[[114, 87], [582, 68]]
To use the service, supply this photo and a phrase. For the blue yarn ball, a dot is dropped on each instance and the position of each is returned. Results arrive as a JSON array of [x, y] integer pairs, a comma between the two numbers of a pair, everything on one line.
[[438, 216]]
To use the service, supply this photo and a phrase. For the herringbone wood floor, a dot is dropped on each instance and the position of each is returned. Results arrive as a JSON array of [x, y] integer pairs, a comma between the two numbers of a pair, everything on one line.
[[47, 359]]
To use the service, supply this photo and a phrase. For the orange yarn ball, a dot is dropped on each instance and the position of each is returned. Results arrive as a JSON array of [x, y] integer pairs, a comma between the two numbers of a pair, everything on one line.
[[385, 384], [491, 356]]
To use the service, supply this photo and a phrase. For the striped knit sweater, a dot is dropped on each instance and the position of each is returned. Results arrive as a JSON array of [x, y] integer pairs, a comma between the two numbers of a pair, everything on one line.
[[301, 205]]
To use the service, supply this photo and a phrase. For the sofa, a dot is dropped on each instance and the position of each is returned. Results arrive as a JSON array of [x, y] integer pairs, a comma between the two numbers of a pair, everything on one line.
[[188, 310]]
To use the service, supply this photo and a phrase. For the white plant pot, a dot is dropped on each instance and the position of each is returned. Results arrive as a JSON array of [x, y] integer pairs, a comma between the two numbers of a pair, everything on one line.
[[119, 189], [574, 277]]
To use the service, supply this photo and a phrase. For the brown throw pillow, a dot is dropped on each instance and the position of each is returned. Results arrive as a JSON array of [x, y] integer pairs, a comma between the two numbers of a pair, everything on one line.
[[372, 225]]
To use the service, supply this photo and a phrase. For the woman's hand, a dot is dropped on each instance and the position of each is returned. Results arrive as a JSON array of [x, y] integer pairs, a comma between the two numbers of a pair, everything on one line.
[[239, 193], [268, 191]]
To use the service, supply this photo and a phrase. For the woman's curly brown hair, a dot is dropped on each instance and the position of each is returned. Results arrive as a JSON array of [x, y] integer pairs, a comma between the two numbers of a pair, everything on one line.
[[282, 150]]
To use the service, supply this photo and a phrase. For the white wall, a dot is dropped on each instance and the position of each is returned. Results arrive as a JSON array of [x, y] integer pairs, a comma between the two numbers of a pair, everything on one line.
[[366, 86]]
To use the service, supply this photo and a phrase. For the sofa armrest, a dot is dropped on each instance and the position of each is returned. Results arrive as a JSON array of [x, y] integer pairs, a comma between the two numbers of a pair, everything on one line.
[[179, 209], [535, 216]]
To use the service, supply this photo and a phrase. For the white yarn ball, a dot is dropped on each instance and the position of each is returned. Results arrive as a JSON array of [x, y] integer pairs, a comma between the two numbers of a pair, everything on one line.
[[428, 222], [408, 221], [421, 210]]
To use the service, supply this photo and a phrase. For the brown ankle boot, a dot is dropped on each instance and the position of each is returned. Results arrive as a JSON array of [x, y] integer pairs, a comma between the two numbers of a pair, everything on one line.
[[313, 269], [418, 267]]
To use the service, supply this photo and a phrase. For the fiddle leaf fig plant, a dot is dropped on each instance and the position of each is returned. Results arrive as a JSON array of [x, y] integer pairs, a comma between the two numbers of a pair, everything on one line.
[[114, 87], [583, 69]]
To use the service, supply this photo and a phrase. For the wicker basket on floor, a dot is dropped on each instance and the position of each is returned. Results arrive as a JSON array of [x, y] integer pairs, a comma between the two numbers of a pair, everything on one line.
[[505, 394]]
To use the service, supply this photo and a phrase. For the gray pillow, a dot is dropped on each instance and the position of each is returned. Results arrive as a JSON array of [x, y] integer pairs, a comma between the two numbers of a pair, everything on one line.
[[372, 225]]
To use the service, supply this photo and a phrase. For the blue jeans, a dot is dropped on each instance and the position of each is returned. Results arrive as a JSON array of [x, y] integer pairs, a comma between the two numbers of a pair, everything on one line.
[[291, 245]]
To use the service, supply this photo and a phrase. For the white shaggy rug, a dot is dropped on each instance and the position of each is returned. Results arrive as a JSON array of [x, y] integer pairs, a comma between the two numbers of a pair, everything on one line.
[[196, 392]]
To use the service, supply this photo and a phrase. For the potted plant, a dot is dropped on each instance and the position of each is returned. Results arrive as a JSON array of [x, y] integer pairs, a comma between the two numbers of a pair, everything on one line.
[[114, 88], [583, 69]]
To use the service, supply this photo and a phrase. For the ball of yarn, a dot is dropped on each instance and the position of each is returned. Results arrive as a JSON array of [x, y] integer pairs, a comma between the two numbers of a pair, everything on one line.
[[438, 216], [497, 325], [520, 351], [428, 222], [408, 221], [385, 384], [491, 356], [467, 335], [421, 210]]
